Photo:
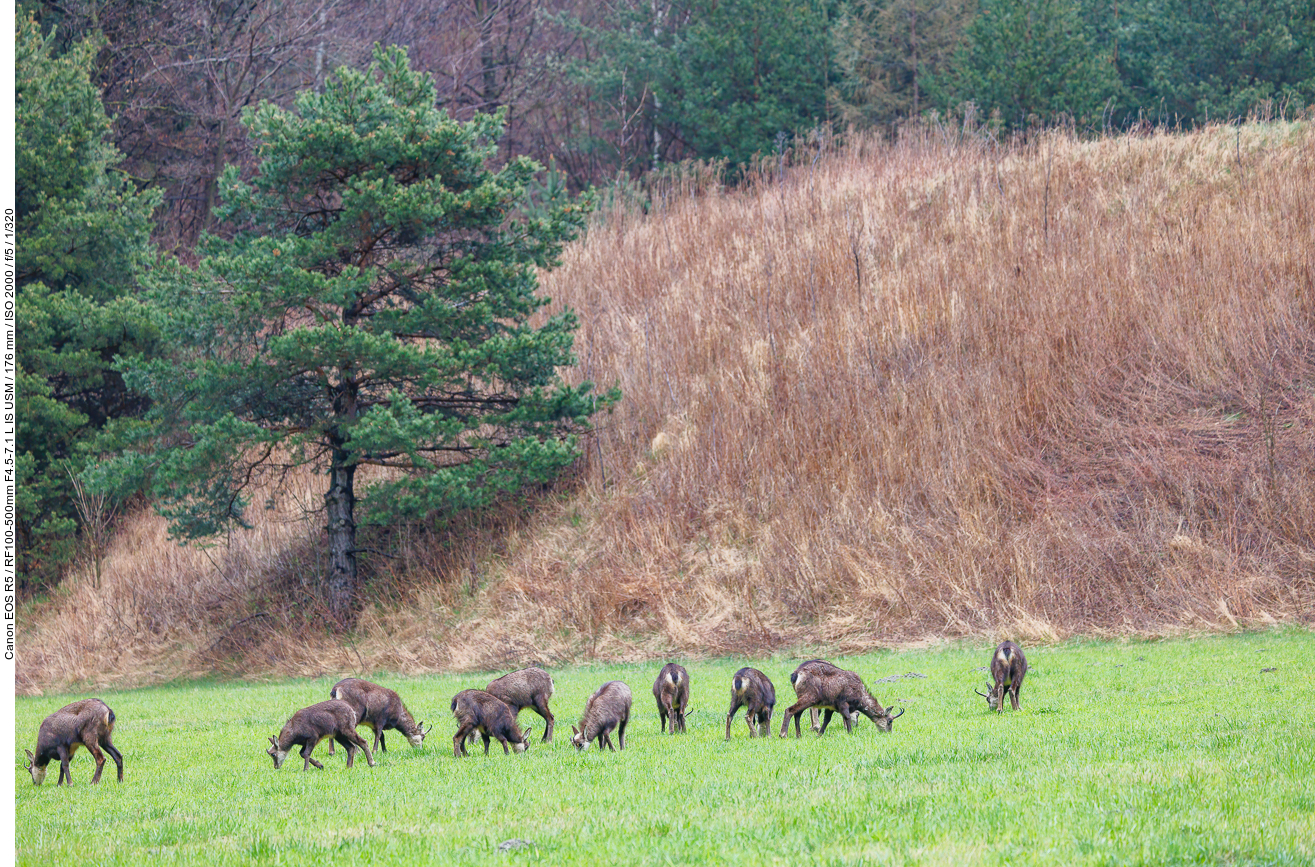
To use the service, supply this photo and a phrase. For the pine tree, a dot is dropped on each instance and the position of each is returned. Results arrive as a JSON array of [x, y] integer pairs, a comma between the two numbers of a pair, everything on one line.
[[1031, 60], [371, 311], [1191, 61], [84, 231], [708, 80]]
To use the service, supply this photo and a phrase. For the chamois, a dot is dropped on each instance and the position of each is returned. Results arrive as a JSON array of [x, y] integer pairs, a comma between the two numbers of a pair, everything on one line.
[[478, 711], [310, 725], [528, 687], [86, 723], [822, 685], [671, 689], [1008, 667], [607, 709], [752, 690], [379, 708]]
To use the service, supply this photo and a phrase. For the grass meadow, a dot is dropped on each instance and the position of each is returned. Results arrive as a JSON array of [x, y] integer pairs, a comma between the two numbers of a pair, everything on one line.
[[1182, 751]]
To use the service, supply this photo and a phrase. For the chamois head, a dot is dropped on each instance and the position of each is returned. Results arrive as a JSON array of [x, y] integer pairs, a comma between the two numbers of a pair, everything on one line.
[[38, 772], [419, 737], [277, 754], [992, 697]]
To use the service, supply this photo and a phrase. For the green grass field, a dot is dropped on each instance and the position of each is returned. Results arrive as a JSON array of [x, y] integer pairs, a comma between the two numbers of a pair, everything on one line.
[[1166, 752]]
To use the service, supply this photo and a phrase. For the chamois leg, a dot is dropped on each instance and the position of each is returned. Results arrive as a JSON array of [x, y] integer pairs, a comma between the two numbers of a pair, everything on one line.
[[94, 746], [459, 741], [795, 710], [65, 778], [347, 745], [116, 755], [729, 717], [363, 747], [541, 708], [305, 754], [846, 716]]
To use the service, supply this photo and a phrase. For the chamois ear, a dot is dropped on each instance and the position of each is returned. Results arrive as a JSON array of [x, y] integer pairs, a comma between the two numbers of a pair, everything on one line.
[[30, 760], [273, 740], [574, 730]]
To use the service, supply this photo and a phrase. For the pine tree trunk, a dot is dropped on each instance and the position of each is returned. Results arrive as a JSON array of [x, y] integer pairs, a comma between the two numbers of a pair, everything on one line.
[[340, 503]]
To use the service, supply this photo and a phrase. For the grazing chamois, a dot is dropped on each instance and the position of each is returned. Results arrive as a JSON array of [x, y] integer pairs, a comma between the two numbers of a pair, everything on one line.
[[478, 711], [87, 723], [1008, 667], [671, 689], [822, 685], [752, 690], [814, 715], [607, 709], [310, 725], [528, 687], [379, 708]]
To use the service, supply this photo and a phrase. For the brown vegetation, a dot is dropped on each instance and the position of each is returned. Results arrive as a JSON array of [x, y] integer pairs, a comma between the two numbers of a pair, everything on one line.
[[940, 388]]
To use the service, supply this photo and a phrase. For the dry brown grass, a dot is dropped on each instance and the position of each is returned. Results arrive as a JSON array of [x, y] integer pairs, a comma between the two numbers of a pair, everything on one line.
[[929, 389]]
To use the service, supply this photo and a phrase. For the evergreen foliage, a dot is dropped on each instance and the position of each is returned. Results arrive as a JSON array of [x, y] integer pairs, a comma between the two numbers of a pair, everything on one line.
[[373, 310], [1188, 60], [85, 238], [1031, 61], [744, 72], [710, 80]]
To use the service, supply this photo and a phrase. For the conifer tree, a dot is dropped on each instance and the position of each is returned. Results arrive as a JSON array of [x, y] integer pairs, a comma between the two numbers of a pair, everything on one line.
[[886, 51], [84, 233], [370, 312], [1031, 61]]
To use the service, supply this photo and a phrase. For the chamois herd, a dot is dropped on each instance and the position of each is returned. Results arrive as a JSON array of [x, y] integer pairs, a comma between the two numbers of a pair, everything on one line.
[[491, 713]]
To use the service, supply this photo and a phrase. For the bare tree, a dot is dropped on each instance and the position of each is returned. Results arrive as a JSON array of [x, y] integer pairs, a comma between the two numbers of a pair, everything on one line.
[[177, 74]]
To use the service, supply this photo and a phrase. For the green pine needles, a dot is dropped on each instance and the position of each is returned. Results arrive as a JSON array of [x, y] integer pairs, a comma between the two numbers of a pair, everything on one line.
[[372, 309]]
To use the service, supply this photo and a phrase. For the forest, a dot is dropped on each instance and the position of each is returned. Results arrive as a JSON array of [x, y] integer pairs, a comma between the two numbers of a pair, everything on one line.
[[155, 138]]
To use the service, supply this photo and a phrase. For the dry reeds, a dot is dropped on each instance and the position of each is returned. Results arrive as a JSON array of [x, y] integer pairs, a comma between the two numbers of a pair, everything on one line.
[[946, 388], [935, 388]]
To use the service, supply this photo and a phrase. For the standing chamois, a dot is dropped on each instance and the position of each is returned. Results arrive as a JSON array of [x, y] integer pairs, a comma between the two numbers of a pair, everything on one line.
[[1008, 666], [478, 711], [607, 709], [671, 689], [310, 725], [752, 690], [822, 685], [87, 723], [379, 708]]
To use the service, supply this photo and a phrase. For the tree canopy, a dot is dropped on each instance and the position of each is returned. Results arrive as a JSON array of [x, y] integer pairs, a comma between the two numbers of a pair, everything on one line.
[[371, 310], [85, 232]]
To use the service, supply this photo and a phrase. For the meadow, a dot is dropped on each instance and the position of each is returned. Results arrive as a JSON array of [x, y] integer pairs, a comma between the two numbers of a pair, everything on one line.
[[1180, 751]]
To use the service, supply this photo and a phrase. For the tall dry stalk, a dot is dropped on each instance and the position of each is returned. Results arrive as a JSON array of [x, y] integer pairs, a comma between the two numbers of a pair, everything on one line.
[[944, 387], [97, 512]]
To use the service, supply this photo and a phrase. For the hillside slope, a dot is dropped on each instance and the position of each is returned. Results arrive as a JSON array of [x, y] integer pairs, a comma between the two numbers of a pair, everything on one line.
[[898, 392]]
